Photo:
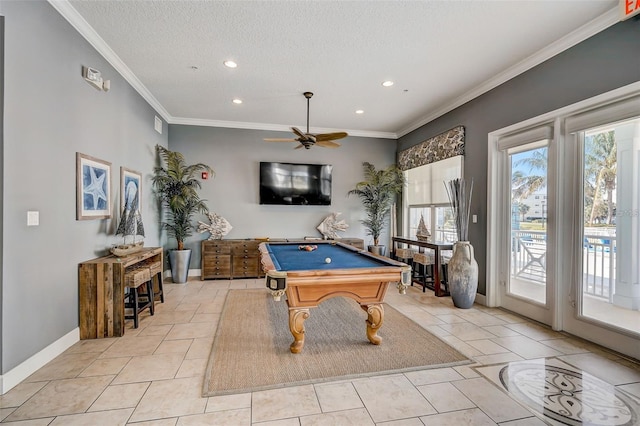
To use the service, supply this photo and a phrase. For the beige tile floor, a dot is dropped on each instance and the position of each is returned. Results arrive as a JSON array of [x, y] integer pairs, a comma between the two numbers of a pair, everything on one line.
[[153, 376]]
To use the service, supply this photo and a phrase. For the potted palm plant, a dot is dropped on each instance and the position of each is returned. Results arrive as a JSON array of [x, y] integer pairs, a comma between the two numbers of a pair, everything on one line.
[[176, 186], [378, 192]]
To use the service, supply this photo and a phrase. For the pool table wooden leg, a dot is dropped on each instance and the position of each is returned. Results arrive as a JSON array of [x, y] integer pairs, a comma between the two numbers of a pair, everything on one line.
[[296, 325], [375, 318]]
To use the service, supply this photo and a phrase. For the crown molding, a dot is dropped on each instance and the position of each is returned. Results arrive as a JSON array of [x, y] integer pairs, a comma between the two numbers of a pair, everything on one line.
[[82, 26], [367, 134], [275, 127], [589, 29]]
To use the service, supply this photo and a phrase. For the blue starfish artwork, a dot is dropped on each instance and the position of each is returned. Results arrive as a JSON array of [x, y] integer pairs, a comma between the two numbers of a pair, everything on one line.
[[95, 188]]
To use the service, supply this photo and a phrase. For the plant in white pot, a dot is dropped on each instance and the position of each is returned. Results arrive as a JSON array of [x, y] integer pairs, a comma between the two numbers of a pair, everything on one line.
[[176, 186], [378, 193], [463, 268]]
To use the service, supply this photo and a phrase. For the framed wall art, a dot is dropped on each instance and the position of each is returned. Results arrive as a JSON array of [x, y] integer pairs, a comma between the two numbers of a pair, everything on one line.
[[93, 188], [130, 189]]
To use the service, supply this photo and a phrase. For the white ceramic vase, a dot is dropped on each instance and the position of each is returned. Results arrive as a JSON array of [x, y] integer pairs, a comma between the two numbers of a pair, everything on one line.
[[463, 275]]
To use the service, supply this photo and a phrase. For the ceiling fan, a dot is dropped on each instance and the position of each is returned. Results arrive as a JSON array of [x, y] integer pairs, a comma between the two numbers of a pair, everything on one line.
[[307, 140]]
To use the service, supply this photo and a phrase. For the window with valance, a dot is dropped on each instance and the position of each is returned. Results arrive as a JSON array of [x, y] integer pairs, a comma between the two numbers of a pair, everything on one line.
[[427, 166]]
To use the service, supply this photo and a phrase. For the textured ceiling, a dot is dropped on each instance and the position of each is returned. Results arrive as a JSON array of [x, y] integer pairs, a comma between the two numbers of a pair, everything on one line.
[[438, 53]]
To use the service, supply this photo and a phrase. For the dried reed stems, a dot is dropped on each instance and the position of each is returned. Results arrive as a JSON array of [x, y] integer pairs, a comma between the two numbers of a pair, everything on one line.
[[459, 192]]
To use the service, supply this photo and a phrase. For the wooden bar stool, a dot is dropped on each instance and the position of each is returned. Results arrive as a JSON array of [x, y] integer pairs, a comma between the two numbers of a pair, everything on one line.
[[405, 255], [134, 279], [155, 271], [444, 278], [423, 269]]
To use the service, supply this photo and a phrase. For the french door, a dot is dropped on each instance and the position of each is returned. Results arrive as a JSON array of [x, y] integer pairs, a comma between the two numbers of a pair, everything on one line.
[[564, 246], [606, 298], [526, 286]]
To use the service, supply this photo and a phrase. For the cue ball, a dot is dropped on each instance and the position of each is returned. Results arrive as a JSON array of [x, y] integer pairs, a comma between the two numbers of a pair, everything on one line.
[[327, 260]]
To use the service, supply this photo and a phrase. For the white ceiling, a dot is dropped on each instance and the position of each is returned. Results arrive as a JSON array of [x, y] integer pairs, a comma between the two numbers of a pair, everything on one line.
[[440, 54]]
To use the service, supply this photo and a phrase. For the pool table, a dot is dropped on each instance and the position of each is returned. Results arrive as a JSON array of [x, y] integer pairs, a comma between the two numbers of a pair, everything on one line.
[[329, 269]]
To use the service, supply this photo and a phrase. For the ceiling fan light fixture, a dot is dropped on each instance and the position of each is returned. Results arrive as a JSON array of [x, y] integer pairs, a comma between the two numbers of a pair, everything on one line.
[[308, 139], [237, 101], [230, 64], [387, 83]]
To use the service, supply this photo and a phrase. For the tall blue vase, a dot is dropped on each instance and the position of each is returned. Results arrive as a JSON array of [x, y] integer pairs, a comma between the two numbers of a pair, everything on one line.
[[463, 275]]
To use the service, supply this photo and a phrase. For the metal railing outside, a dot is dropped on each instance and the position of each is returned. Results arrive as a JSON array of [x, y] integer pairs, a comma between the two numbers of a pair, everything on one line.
[[528, 261], [599, 266], [528, 255]]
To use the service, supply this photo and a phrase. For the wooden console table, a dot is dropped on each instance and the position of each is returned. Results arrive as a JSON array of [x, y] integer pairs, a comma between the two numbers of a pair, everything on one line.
[[101, 292], [437, 248]]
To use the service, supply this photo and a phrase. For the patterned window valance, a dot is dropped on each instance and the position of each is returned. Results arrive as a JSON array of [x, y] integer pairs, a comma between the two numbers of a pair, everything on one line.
[[440, 147]]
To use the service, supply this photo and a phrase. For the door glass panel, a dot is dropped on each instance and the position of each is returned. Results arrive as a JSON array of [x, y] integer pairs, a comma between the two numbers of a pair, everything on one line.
[[610, 267], [528, 251]]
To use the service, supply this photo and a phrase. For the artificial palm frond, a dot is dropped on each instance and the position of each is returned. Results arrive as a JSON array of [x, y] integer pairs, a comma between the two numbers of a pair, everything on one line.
[[377, 193], [176, 186]]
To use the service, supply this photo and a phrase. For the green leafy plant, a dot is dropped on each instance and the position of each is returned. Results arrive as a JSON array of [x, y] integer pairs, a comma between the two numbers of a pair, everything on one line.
[[378, 192], [176, 186]]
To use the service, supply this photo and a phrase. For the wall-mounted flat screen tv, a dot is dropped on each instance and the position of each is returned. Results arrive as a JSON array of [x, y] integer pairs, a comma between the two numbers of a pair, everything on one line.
[[295, 184]]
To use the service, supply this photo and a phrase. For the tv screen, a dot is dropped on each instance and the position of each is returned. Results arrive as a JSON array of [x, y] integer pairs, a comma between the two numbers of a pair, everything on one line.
[[295, 184]]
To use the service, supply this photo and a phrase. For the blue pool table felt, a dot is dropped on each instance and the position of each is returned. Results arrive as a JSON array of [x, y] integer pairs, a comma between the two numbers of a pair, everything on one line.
[[288, 257]]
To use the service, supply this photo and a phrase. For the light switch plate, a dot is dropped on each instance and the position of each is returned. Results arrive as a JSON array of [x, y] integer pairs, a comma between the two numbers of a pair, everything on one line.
[[33, 218], [474, 218]]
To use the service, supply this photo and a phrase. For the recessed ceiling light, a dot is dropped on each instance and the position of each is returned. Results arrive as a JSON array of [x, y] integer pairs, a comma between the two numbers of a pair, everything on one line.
[[237, 101], [387, 83], [359, 111], [230, 64]]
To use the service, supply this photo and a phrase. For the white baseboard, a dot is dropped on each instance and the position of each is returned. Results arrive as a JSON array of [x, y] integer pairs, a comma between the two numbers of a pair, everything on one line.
[[37, 361]]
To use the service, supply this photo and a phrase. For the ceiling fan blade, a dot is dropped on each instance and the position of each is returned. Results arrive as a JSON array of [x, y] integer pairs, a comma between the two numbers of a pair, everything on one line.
[[299, 146], [298, 132], [280, 140], [330, 136], [328, 144]]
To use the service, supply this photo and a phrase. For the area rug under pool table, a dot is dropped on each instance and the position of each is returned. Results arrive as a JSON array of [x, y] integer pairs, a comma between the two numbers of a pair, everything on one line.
[[251, 348]]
